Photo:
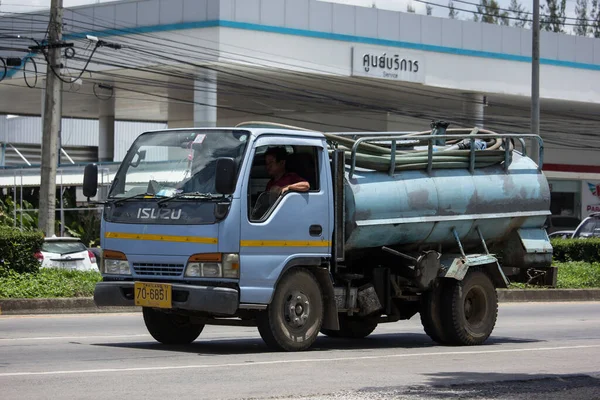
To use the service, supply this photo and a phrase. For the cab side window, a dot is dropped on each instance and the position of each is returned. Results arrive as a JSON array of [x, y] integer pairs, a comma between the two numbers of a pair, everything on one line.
[[279, 165]]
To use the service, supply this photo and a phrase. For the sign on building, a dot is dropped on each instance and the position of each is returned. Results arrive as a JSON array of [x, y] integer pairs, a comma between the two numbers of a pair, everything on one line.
[[393, 64], [590, 197]]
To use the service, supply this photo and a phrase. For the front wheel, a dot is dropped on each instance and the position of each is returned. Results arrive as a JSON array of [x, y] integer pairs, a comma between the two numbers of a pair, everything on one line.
[[470, 309], [293, 319], [170, 328]]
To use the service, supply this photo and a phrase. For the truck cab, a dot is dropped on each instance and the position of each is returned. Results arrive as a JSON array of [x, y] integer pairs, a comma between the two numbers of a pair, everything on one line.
[[188, 229]]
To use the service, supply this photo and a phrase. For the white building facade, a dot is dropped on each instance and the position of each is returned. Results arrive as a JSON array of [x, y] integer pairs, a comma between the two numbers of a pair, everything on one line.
[[309, 63]]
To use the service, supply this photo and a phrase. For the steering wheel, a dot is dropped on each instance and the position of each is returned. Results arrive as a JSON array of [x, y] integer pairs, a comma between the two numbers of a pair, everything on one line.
[[263, 204]]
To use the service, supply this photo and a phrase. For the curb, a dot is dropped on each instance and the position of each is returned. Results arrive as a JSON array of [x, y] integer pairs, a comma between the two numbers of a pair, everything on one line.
[[551, 295], [80, 305], [77, 305]]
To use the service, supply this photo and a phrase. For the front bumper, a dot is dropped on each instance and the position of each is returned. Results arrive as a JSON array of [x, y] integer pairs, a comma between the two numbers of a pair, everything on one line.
[[214, 300]]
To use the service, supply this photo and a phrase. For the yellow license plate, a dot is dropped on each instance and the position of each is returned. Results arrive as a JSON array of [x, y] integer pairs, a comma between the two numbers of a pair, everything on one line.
[[152, 294]]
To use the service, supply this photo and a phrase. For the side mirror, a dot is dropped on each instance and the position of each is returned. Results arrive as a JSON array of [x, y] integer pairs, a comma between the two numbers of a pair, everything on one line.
[[90, 180], [225, 176], [141, 156]]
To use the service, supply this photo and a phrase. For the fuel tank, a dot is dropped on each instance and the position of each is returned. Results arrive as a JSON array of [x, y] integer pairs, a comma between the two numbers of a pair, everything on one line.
[[413, 208]]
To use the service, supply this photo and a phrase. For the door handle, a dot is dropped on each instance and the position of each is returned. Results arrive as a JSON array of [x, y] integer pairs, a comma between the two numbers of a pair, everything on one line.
[[315, 230]]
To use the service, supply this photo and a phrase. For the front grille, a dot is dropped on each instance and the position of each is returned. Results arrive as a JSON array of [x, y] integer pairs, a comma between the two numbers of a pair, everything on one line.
[[158, 269]]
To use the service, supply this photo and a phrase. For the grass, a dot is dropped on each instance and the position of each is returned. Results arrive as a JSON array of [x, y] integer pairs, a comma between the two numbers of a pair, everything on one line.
[[572, 275], [50, 283]]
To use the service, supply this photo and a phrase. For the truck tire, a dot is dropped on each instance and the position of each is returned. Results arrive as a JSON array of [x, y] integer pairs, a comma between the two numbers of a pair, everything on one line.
[[470, 309], [170, 328], [431, 312], [293, 319], [353, 327]]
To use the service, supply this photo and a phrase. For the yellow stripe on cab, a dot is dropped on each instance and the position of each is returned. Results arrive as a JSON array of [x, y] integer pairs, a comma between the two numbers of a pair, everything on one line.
[[160, 238], [284, 243]]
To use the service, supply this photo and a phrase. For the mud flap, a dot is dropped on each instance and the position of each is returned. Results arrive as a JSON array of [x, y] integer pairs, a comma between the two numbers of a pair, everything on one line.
[[460, 266], [330, 312]]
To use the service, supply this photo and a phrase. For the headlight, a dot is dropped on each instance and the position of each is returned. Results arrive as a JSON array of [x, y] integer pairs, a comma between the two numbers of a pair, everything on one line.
[[213, 265], [115, 263]]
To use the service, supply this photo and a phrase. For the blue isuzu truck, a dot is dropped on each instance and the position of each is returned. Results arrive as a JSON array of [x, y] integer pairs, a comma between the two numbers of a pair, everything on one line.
[[393, 224]]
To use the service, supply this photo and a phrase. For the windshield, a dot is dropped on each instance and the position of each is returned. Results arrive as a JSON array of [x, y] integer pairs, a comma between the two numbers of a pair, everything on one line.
[[591, 227], [63, 247], [167, 163]]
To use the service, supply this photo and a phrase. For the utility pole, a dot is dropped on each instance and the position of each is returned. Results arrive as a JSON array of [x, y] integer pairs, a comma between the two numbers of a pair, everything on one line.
[[535, 79], [51, 122]]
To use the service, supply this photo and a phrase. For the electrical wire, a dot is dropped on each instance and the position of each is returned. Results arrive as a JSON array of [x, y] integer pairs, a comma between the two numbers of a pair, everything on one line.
[[26, 60], [4, 68], [356, 104]]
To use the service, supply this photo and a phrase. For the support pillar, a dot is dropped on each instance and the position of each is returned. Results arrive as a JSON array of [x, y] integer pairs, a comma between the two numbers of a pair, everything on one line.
[[106, 130], [205, 99], [473, 110], [193, 108]]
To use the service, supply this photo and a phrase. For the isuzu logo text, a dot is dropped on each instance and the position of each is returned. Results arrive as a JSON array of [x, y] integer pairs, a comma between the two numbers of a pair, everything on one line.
[[153, 213]]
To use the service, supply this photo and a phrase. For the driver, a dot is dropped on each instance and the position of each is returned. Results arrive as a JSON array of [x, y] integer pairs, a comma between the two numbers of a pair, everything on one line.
[[281, 180]]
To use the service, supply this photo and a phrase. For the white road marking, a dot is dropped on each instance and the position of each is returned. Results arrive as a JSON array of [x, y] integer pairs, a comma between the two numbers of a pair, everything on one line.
[[69, 337], [309, 360]]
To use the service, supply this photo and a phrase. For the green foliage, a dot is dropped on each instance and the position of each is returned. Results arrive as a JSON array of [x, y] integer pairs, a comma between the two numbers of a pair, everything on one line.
[[84, 225], [518, 13], [17, 250], [452, 13], [48, 283], [595, 19], [28, 219], [587, 250], [571, 275], [581, 11], [555, 16], [579, 275], [489, 11]]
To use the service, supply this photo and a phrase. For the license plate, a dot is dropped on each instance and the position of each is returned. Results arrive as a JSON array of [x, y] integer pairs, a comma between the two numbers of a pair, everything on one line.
[[152, 294]]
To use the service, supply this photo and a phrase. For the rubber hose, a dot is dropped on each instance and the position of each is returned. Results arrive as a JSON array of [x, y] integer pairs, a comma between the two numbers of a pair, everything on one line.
[[377, 157]]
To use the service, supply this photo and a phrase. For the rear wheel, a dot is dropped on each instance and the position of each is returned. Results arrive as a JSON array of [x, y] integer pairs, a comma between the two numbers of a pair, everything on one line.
[[431, 312], [470, 309], [170, 328], [293, 319]]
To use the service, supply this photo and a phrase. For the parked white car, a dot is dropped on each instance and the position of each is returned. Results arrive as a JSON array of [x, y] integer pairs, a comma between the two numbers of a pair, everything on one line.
[[66, 253]]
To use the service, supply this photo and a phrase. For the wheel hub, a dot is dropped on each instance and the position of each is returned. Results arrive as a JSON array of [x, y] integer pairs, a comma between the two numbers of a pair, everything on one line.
[[297, 309], [475, 306]]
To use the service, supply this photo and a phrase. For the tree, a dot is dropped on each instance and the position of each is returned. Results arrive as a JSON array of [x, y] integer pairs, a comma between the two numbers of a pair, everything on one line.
[[581, 25], [489, 11], [595, 19], [555, 16], [429, 9], [410, 8], [452, 13], [518, 13]]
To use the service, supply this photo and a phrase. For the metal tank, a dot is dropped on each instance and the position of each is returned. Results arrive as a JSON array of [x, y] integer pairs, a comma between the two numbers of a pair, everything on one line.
[[416, 207]]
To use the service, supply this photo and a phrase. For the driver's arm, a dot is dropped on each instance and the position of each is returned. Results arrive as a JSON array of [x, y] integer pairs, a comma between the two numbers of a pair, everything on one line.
[[301, 186]]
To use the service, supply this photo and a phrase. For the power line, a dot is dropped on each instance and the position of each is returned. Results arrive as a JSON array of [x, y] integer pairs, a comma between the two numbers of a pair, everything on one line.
[[308, 96]]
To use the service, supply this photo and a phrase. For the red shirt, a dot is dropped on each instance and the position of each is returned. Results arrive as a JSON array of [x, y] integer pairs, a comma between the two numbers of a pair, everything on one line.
[[289, 178]]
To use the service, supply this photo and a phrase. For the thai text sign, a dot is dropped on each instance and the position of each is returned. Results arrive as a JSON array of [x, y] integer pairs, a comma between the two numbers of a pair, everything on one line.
[[394, 64]]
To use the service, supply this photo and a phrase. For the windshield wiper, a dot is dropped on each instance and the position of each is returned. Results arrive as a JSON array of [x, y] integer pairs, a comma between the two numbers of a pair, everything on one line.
[[192, 195], [136, 196]]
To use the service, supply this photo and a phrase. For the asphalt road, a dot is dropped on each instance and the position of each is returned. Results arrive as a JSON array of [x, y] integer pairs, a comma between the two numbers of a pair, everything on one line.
[[537, 351]]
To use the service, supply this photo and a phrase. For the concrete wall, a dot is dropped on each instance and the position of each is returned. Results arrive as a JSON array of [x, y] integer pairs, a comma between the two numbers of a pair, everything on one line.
[[313, 35]]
